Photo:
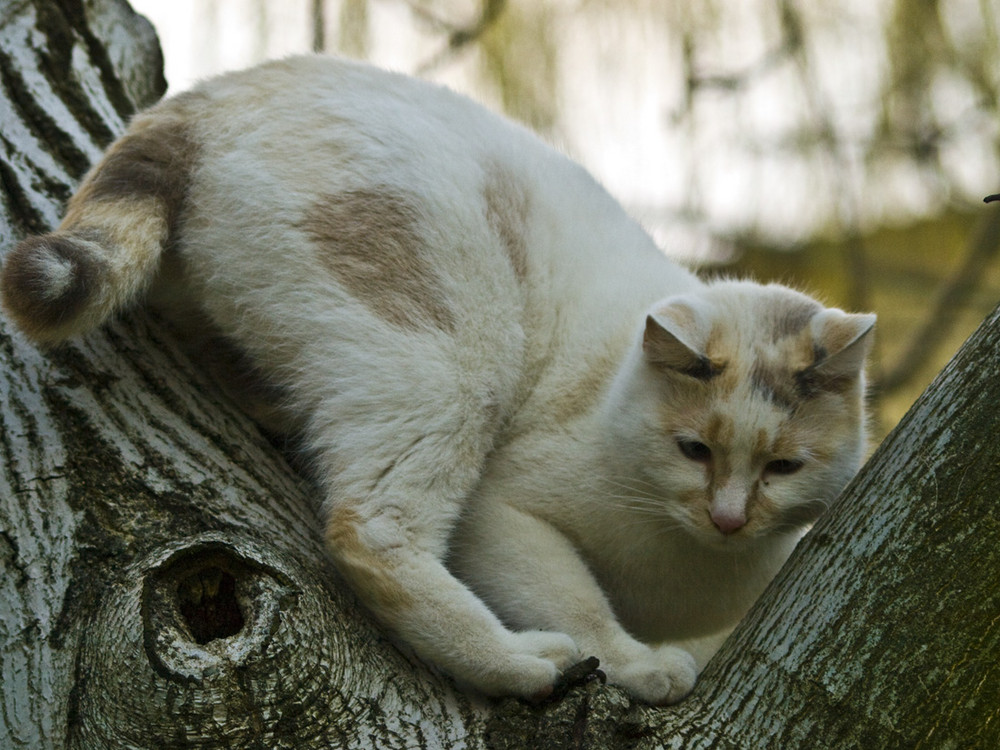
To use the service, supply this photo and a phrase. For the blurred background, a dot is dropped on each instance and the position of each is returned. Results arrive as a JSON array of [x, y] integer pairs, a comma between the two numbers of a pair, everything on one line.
[[841, 146]]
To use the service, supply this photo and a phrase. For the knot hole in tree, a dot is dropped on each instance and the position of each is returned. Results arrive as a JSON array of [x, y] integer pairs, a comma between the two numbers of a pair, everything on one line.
[[208, 604], [207, 607], [200, 644]]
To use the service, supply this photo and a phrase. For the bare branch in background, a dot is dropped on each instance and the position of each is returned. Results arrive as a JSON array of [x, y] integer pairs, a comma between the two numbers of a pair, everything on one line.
[[789, 44], [353, 39], [846, 197], [318, 25], [825, 135], [951, 300], [459, 36]]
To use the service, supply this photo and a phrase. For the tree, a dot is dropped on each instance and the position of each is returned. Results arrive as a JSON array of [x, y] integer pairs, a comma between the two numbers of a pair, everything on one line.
[[164, 582]]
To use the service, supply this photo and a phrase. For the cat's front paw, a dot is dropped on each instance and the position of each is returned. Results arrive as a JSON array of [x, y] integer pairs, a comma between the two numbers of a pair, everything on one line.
[[665, 675], [546, 655], [528, 666]]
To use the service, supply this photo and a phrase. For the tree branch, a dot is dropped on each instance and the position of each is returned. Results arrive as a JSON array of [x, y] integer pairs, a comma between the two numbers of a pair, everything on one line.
[[139, 510]]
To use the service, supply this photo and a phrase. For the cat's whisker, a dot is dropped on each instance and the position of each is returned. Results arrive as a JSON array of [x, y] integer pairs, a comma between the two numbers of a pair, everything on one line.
[[631, 483]]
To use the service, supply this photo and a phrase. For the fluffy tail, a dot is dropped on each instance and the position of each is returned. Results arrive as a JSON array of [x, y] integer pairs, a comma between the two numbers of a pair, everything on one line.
[[107, 249]]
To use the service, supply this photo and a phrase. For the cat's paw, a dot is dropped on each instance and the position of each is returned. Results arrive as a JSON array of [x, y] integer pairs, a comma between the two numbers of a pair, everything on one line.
[[552, 652], [528, 667], [665, 675], [558, 648]]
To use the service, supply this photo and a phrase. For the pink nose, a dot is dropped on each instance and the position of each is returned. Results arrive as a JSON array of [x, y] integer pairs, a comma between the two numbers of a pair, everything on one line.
[[728, 522]]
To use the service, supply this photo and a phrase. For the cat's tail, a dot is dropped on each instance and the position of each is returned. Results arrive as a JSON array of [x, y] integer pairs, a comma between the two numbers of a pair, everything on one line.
[[107, 250]]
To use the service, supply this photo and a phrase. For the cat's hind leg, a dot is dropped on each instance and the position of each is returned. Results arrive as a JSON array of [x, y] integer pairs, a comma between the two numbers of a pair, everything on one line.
[[409, 590], [402, 454]]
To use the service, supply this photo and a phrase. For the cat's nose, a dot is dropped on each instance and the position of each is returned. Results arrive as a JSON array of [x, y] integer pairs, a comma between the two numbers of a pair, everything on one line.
[[728, 521], [728, 508]]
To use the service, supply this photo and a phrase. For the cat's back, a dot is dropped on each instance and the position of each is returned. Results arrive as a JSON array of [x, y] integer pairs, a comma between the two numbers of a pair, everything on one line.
[[295, 131], [318, 178], [323, 195], [334, 124], [314, 210]]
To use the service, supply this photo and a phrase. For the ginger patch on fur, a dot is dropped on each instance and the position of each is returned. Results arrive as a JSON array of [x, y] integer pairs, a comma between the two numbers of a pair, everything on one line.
[[507, 215], [368, 573], [371, 242]]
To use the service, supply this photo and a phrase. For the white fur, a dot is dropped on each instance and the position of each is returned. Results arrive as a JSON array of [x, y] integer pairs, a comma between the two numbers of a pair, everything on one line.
[[532, 446]]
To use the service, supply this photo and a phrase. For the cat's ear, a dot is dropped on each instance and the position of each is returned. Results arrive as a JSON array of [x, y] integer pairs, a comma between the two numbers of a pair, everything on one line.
[[841, 342], [667, 345]]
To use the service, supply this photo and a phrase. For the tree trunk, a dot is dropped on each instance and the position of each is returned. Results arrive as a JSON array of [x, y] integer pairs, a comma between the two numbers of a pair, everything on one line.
[[164, 582]]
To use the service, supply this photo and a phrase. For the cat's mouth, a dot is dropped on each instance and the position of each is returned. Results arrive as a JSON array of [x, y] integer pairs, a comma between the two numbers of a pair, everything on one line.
[[728, 541], [712, 536]]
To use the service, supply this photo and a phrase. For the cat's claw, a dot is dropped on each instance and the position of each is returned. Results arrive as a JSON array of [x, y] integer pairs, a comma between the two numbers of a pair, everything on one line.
[[581, 673]]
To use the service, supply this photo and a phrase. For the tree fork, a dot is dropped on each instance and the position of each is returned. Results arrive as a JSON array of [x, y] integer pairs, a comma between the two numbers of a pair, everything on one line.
[[163, 582]]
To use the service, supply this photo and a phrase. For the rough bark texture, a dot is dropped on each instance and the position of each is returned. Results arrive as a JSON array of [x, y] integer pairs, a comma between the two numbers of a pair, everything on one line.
[[163, 582]]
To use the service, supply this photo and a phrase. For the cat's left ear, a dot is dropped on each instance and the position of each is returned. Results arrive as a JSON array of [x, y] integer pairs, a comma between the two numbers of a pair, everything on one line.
[[841, 342], [668, 344]]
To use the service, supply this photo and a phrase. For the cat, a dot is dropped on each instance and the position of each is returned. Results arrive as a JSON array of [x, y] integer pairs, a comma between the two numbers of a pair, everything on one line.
[[538, 437]]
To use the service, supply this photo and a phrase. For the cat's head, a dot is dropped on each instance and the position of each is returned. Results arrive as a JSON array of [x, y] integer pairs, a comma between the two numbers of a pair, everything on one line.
[[744, 406]]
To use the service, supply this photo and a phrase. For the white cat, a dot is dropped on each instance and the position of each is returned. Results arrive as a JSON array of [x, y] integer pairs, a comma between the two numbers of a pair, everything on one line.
[[539, 438]]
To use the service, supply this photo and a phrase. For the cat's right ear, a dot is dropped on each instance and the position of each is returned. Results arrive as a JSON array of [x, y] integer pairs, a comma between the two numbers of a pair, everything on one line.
[[665, 347], [841, 342]]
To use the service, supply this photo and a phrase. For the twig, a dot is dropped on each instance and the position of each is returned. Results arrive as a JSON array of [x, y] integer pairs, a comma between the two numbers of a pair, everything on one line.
[[458, 36], [318, 26], [950, 298]]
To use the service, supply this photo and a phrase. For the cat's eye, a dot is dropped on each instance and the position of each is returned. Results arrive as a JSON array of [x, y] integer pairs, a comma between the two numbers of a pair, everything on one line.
[[694, 450], [783, 466]]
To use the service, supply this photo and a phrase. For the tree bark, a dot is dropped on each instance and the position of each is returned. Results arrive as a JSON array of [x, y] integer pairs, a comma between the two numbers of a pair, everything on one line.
[[163, 581]]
